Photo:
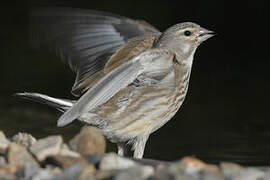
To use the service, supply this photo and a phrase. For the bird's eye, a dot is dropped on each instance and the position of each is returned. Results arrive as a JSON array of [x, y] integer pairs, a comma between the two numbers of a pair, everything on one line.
[[187, 33]]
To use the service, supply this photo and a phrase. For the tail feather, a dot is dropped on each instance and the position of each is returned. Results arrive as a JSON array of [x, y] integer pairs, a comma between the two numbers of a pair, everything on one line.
[[60, 104]]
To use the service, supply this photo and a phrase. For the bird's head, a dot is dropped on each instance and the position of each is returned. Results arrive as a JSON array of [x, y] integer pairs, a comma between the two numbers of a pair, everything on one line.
[[184, 38]]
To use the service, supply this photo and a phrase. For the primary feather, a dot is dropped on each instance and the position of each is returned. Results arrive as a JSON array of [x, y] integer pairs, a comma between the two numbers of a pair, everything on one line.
[[86, 39]]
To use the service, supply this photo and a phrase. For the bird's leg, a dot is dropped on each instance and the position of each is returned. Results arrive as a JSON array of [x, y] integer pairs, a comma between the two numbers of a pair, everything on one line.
[[121, 149], [139, 146]]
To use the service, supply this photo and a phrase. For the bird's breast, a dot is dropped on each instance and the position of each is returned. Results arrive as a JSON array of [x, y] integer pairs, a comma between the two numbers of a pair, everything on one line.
[[142, 109]]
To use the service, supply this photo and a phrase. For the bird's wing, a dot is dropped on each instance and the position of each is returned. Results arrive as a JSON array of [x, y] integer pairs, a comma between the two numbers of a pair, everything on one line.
[[116, 80], [131, 49], [86, 39]]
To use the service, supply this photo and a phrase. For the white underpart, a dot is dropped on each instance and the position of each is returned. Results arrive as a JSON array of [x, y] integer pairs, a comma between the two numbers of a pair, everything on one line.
[[185, 47], [189, 60]]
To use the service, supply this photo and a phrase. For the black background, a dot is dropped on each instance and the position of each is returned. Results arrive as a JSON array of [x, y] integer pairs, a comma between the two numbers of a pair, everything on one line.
[[226, 113]]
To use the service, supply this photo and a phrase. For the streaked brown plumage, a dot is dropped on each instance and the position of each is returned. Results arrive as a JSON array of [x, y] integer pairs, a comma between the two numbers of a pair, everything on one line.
[[130, 85]]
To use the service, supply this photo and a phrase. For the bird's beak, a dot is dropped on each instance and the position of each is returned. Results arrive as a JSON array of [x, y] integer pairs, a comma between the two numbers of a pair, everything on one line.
[[205, 34]]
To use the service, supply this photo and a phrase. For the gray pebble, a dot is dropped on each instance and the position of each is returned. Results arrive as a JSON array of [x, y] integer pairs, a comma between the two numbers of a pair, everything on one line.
[[134, 173], [113, 161], [18, 155], [24, 139], [2, 135], [4, 144], [46, 147]]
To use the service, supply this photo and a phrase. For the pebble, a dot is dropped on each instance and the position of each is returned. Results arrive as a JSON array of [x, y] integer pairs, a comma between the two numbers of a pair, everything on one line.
[[4, 144], [106, 174], [251, 174], [71, 173], [2, 161], [28, 171], [89, 141], [18, 155], [87, 172], [9, 169], [113, 161], [42, 175], [192, 168], [163, 174], [54, 170], [267, 174], [59, 162], [151, 162], [46, 147], [2, 135], [7, 177], [94, 158], [235, 171], [24, 139], [139, 172], [65, 151], [230, 170], [66, 161]]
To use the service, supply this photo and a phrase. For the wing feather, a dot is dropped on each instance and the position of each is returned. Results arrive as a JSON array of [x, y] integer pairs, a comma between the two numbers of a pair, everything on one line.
[[102, 91], [81, 37], [116, 80]]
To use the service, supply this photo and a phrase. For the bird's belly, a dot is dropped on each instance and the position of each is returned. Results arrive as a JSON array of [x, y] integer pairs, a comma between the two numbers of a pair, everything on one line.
[[137, 111]]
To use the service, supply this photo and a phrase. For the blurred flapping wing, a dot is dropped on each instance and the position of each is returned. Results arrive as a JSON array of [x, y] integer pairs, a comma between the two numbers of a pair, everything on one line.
[[85, 39]]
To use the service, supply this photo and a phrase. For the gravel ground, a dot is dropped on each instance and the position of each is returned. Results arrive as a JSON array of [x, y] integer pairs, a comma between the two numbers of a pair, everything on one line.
[[83, 157]]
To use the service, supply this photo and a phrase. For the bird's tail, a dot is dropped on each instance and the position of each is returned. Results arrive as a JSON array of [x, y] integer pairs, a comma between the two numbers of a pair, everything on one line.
[[60, 104]]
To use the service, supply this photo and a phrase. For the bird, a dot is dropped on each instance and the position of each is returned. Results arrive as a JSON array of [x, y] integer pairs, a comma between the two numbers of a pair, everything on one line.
[[131, 78]]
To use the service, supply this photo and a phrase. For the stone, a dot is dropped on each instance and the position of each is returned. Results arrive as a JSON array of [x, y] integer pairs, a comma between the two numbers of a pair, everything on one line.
[[4, 144], [87, 172], [151, 162], [7, 176], [33, 173], [28, 171], [18, 155], [89, 141], [2, 161], [230, 170], [163, 174], [2, 135], [65, 151], [192, 168], [134, 173], [113, 161], [66, 161], [106, 174], [191, 165], [251, 174], [94, 158], [235, 171], [9, 169], [71, 173], [43, 174], [24, 139], [267, 173], [54, 170], [46, 147]]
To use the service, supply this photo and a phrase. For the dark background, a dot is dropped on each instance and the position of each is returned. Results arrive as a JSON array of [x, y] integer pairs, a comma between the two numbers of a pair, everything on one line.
[[226, 113]]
